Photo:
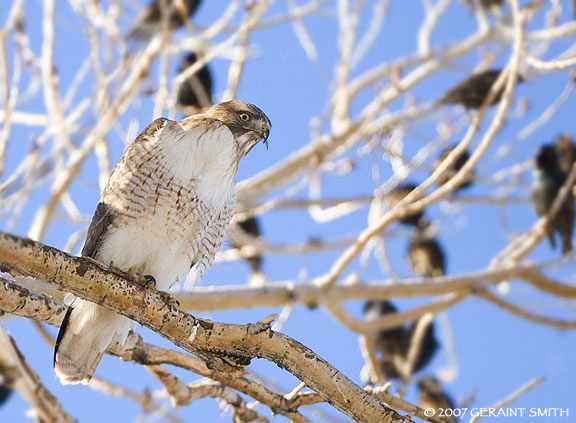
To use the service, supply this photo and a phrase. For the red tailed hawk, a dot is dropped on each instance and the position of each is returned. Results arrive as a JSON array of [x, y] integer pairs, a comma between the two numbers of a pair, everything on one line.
[[164, 210]]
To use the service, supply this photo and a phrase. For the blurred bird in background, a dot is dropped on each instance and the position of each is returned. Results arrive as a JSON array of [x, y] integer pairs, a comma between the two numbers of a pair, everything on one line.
[[566, 152], [243, 235], [494, 6], [195, 93], [425, 255], [491, 3], [472, 92], [174, 12], [388, 343], [7, 379], [432, 396], [454, 168], [548, 179], [392, 345], [396, 195]]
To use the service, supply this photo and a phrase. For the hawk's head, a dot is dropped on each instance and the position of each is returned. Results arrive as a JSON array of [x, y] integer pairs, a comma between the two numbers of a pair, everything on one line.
[[247, 123]]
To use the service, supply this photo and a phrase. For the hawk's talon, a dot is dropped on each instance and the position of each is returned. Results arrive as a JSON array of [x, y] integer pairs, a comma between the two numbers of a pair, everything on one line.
[[112, 266], [150, 280], [146, 280]]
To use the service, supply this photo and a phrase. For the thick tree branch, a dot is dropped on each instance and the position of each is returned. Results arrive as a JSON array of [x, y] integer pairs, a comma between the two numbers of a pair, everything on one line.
[[20, 301], [223, 346], [42, 307]]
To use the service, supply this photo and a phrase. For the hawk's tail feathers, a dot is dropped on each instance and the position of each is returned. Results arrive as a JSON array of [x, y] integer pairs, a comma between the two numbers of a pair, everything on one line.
[[61, 332], [86, 331]]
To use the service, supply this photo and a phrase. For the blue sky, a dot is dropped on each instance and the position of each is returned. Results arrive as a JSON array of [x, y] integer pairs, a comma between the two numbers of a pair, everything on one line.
[[495, 352]]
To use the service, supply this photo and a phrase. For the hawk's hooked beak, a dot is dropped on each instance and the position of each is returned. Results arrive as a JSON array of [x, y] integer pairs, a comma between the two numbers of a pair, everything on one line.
[[262, 128], [264, 131]]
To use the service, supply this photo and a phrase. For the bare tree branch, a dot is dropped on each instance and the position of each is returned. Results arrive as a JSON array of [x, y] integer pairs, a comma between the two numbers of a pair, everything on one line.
[[45, 406], [223, 346]]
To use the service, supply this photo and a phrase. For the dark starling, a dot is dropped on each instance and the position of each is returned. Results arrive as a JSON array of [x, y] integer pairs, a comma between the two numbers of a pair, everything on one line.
[[389, 343], [396, 195], [425, 255], [392, 345], [195, 92], [452, 170], [471, 92], [5, 393], [375, 309], [432, 396], [244, 233], [548, 179], [566, 150], [7, 379], [428, 347], [488, 4], [149, 21]]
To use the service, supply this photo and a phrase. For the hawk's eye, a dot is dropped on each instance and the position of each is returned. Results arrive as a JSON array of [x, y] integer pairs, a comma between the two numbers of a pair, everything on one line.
[[244, 117]]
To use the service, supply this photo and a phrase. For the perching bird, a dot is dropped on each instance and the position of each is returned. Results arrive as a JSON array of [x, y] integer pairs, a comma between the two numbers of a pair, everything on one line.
[[425, 255], [472, 92], [176, 13], [388, 343], [432, 396], [491, 3], [165, 210], [195, 92], [392, 345], [566, 150], [428, 347], [7, 379], [454, 168], [548, 179], [488, 4], [243, 233], [5, 393], [396, 195]]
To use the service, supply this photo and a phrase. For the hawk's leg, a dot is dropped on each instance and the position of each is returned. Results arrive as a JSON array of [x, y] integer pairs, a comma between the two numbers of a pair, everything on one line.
[[148, 281], [135, 276]]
